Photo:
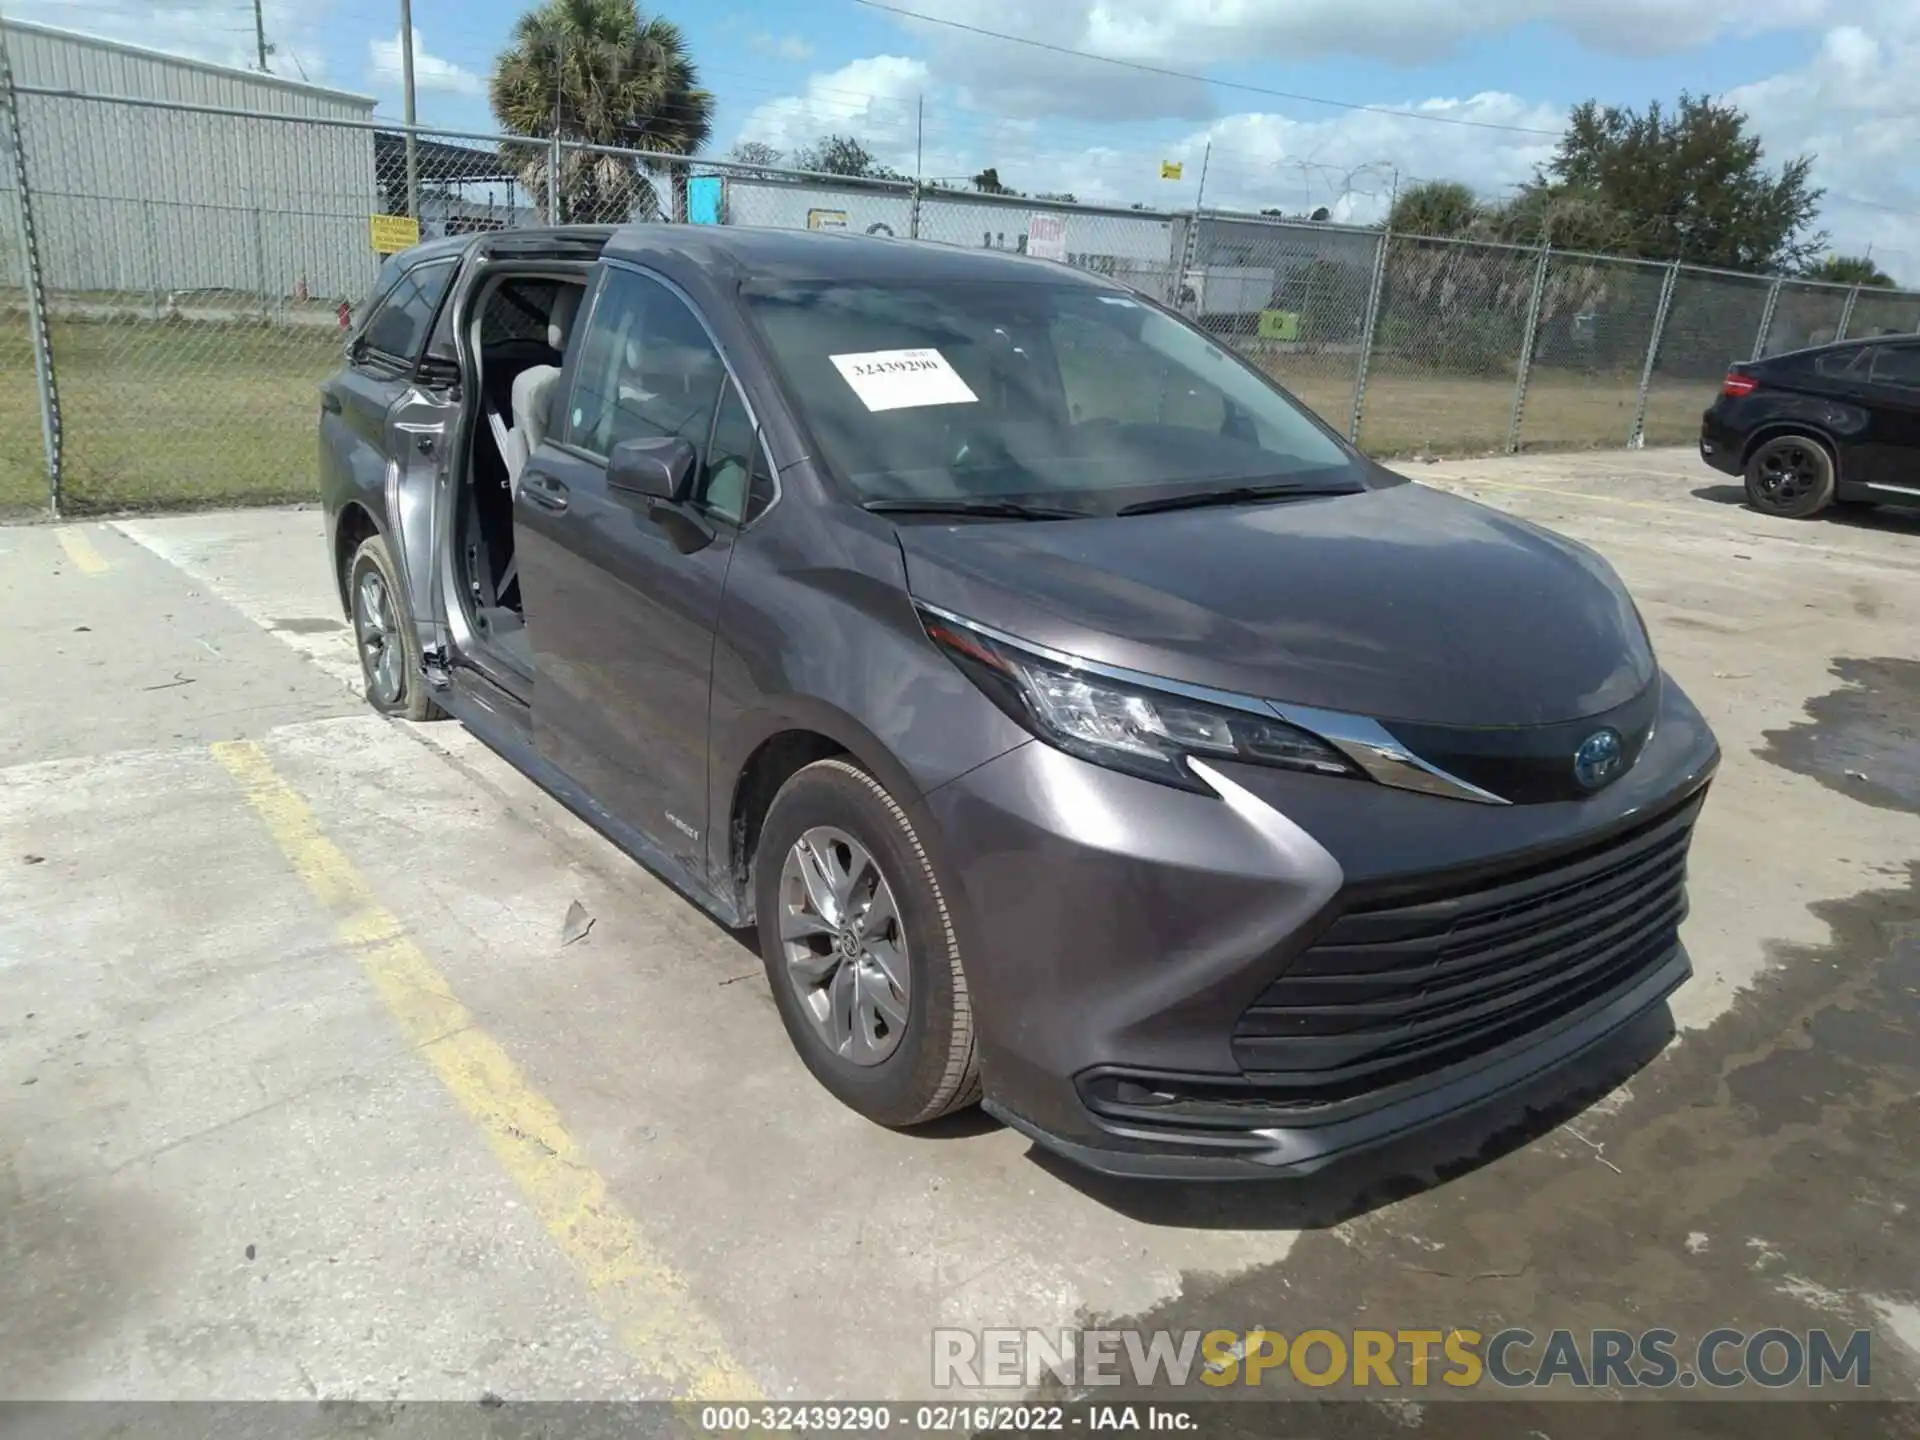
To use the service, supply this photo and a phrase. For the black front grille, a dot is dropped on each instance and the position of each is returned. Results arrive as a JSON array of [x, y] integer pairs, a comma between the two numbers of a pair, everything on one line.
[[1396, 989]]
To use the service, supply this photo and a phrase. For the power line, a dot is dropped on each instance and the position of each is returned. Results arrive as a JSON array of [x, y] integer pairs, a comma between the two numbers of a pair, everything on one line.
[[1207, 80]]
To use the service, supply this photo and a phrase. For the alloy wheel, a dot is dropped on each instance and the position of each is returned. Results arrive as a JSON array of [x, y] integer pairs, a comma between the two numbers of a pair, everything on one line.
[[1789, 471], [379, 637], [844, 948]]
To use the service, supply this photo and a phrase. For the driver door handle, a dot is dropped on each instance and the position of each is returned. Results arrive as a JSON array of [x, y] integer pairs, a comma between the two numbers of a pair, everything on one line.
[[543, 490]]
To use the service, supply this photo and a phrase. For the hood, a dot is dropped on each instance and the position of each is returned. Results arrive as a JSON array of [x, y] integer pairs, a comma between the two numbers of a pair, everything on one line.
[[1402, 603]]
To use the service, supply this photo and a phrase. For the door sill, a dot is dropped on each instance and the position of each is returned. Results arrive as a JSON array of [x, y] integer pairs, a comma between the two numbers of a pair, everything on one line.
[[504, 724]]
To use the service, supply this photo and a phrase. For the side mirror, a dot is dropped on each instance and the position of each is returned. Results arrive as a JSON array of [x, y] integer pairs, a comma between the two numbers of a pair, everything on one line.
[[660, 469]]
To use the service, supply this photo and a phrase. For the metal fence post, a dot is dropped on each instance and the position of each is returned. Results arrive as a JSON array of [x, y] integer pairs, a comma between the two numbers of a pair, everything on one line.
[[1766, 321], [260, 262], [1375, 286], [1846, 314], [38, 334], [913, 213], [1189, 252], [553, 180], [1637, 439], [1526, 350]]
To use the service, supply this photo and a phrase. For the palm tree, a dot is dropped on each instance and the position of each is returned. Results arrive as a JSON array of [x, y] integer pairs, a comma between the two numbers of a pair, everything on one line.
[[600, 73]]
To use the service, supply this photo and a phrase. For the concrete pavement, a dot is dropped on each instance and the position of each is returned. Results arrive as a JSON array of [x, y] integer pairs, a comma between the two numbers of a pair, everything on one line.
[[304, 1095]]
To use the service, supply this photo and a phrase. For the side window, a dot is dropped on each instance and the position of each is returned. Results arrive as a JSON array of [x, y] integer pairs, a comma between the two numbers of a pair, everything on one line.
[[1897, 365], [735, 486], [401, 323], [646, 370], [1835, 364]]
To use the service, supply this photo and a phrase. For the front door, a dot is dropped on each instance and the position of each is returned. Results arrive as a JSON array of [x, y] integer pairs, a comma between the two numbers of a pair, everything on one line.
[[383, 421], [1892, 449], [620, 616]]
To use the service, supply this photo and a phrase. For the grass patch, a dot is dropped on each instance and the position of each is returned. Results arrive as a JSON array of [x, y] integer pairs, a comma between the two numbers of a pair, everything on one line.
[[163, 414], [1410, 413]]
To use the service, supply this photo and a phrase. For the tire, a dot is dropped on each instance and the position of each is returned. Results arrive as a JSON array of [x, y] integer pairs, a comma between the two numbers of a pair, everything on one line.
[[895, 1074], [1790, 476], [397, 687]]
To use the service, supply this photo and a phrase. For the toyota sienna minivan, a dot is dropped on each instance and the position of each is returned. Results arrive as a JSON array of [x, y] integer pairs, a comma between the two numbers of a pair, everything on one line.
[[1088, 730]]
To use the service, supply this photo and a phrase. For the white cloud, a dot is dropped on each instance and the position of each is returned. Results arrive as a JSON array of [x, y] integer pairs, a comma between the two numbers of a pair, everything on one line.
[[1851, 103], [430, 72], [784, 47], [874, 99]]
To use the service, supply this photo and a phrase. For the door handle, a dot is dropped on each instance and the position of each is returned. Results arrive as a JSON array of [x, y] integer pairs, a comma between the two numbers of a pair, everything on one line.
[[543, 490], [330, 402]]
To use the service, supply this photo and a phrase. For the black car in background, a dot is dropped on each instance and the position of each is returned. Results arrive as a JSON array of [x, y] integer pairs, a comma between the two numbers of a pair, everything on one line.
[[1811, 427]]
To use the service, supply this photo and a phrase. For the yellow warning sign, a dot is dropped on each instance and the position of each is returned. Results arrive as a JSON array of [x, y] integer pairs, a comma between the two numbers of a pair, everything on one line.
[[393, 233], [1171, 169]]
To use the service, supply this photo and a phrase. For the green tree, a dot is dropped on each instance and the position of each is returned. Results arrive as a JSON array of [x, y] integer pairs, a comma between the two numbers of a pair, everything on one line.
[[1436, 207], [755, 153], [987, 182], [1688, 183], [602, 73], [843, 155], [1848, 270]]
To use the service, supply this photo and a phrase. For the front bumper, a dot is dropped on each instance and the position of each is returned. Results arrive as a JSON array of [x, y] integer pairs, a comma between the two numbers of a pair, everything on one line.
[[1124, 942]]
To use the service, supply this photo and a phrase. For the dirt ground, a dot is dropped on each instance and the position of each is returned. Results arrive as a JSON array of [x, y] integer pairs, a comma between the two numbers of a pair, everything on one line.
[[311, 1092]]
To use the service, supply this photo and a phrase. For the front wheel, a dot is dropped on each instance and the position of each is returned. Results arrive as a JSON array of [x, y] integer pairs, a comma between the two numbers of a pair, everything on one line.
[[1790, 476], [384, 634], [860, 949]]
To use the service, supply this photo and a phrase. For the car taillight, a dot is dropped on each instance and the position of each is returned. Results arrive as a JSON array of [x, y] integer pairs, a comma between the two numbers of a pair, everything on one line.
[[1738, 384]]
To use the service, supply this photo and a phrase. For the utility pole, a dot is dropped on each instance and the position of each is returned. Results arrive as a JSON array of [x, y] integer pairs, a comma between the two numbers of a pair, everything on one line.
[[260, 32], [406, 81]]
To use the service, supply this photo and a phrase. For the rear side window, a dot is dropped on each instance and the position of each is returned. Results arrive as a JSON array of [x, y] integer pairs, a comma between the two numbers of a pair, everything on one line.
[[1836, 364], [398, 327], [1897, 365]]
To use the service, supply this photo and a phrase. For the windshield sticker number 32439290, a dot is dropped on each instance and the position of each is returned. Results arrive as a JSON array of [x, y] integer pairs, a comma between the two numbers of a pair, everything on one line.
[[902, 379]]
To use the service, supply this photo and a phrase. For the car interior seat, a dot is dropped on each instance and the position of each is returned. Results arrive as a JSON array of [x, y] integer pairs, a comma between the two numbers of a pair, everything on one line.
[[532, 389]]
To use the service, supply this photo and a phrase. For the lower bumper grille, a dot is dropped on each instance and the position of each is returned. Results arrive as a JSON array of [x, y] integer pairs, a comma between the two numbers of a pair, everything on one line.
[[1397, 989]]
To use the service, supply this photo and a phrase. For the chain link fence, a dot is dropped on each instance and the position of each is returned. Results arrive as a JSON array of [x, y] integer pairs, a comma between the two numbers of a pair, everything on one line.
[[199, 269], [1712, 320], [1446, 347], [1595, 321], [23, 462], [1293, 298]]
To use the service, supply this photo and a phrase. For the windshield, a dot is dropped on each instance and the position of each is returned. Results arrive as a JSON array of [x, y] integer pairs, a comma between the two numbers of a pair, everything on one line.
[[1064, 394]]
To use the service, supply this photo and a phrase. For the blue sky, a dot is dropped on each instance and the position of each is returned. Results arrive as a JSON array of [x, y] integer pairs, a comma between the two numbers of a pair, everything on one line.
[[1832, 76]]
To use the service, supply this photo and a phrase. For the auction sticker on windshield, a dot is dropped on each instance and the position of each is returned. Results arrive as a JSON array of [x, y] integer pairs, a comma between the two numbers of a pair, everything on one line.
[[901, 379]]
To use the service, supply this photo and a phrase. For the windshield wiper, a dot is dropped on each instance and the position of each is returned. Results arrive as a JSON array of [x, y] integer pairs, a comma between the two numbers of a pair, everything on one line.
[[1008, 509], [1237, 495]]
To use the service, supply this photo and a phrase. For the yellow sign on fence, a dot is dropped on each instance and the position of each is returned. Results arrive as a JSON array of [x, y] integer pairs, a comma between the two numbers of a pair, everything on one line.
[[1279, 325], [393, 233]]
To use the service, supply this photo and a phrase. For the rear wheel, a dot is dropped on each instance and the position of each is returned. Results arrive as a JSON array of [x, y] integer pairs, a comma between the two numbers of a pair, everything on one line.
[[1790, 475], [860, 950], [384, 634]]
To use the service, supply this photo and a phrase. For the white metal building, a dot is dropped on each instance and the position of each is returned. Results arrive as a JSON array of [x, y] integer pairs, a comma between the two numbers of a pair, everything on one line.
[[144, 199]]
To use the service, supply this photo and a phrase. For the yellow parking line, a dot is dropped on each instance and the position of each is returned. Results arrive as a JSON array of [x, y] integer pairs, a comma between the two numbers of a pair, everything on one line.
[[86, 559], [646, 1302]]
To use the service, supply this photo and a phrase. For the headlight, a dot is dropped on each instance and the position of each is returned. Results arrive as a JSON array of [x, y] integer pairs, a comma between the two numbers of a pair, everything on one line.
[[1125, 727]]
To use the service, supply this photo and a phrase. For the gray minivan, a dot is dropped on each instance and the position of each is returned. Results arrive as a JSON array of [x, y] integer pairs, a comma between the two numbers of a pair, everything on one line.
[[1087, 729]]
